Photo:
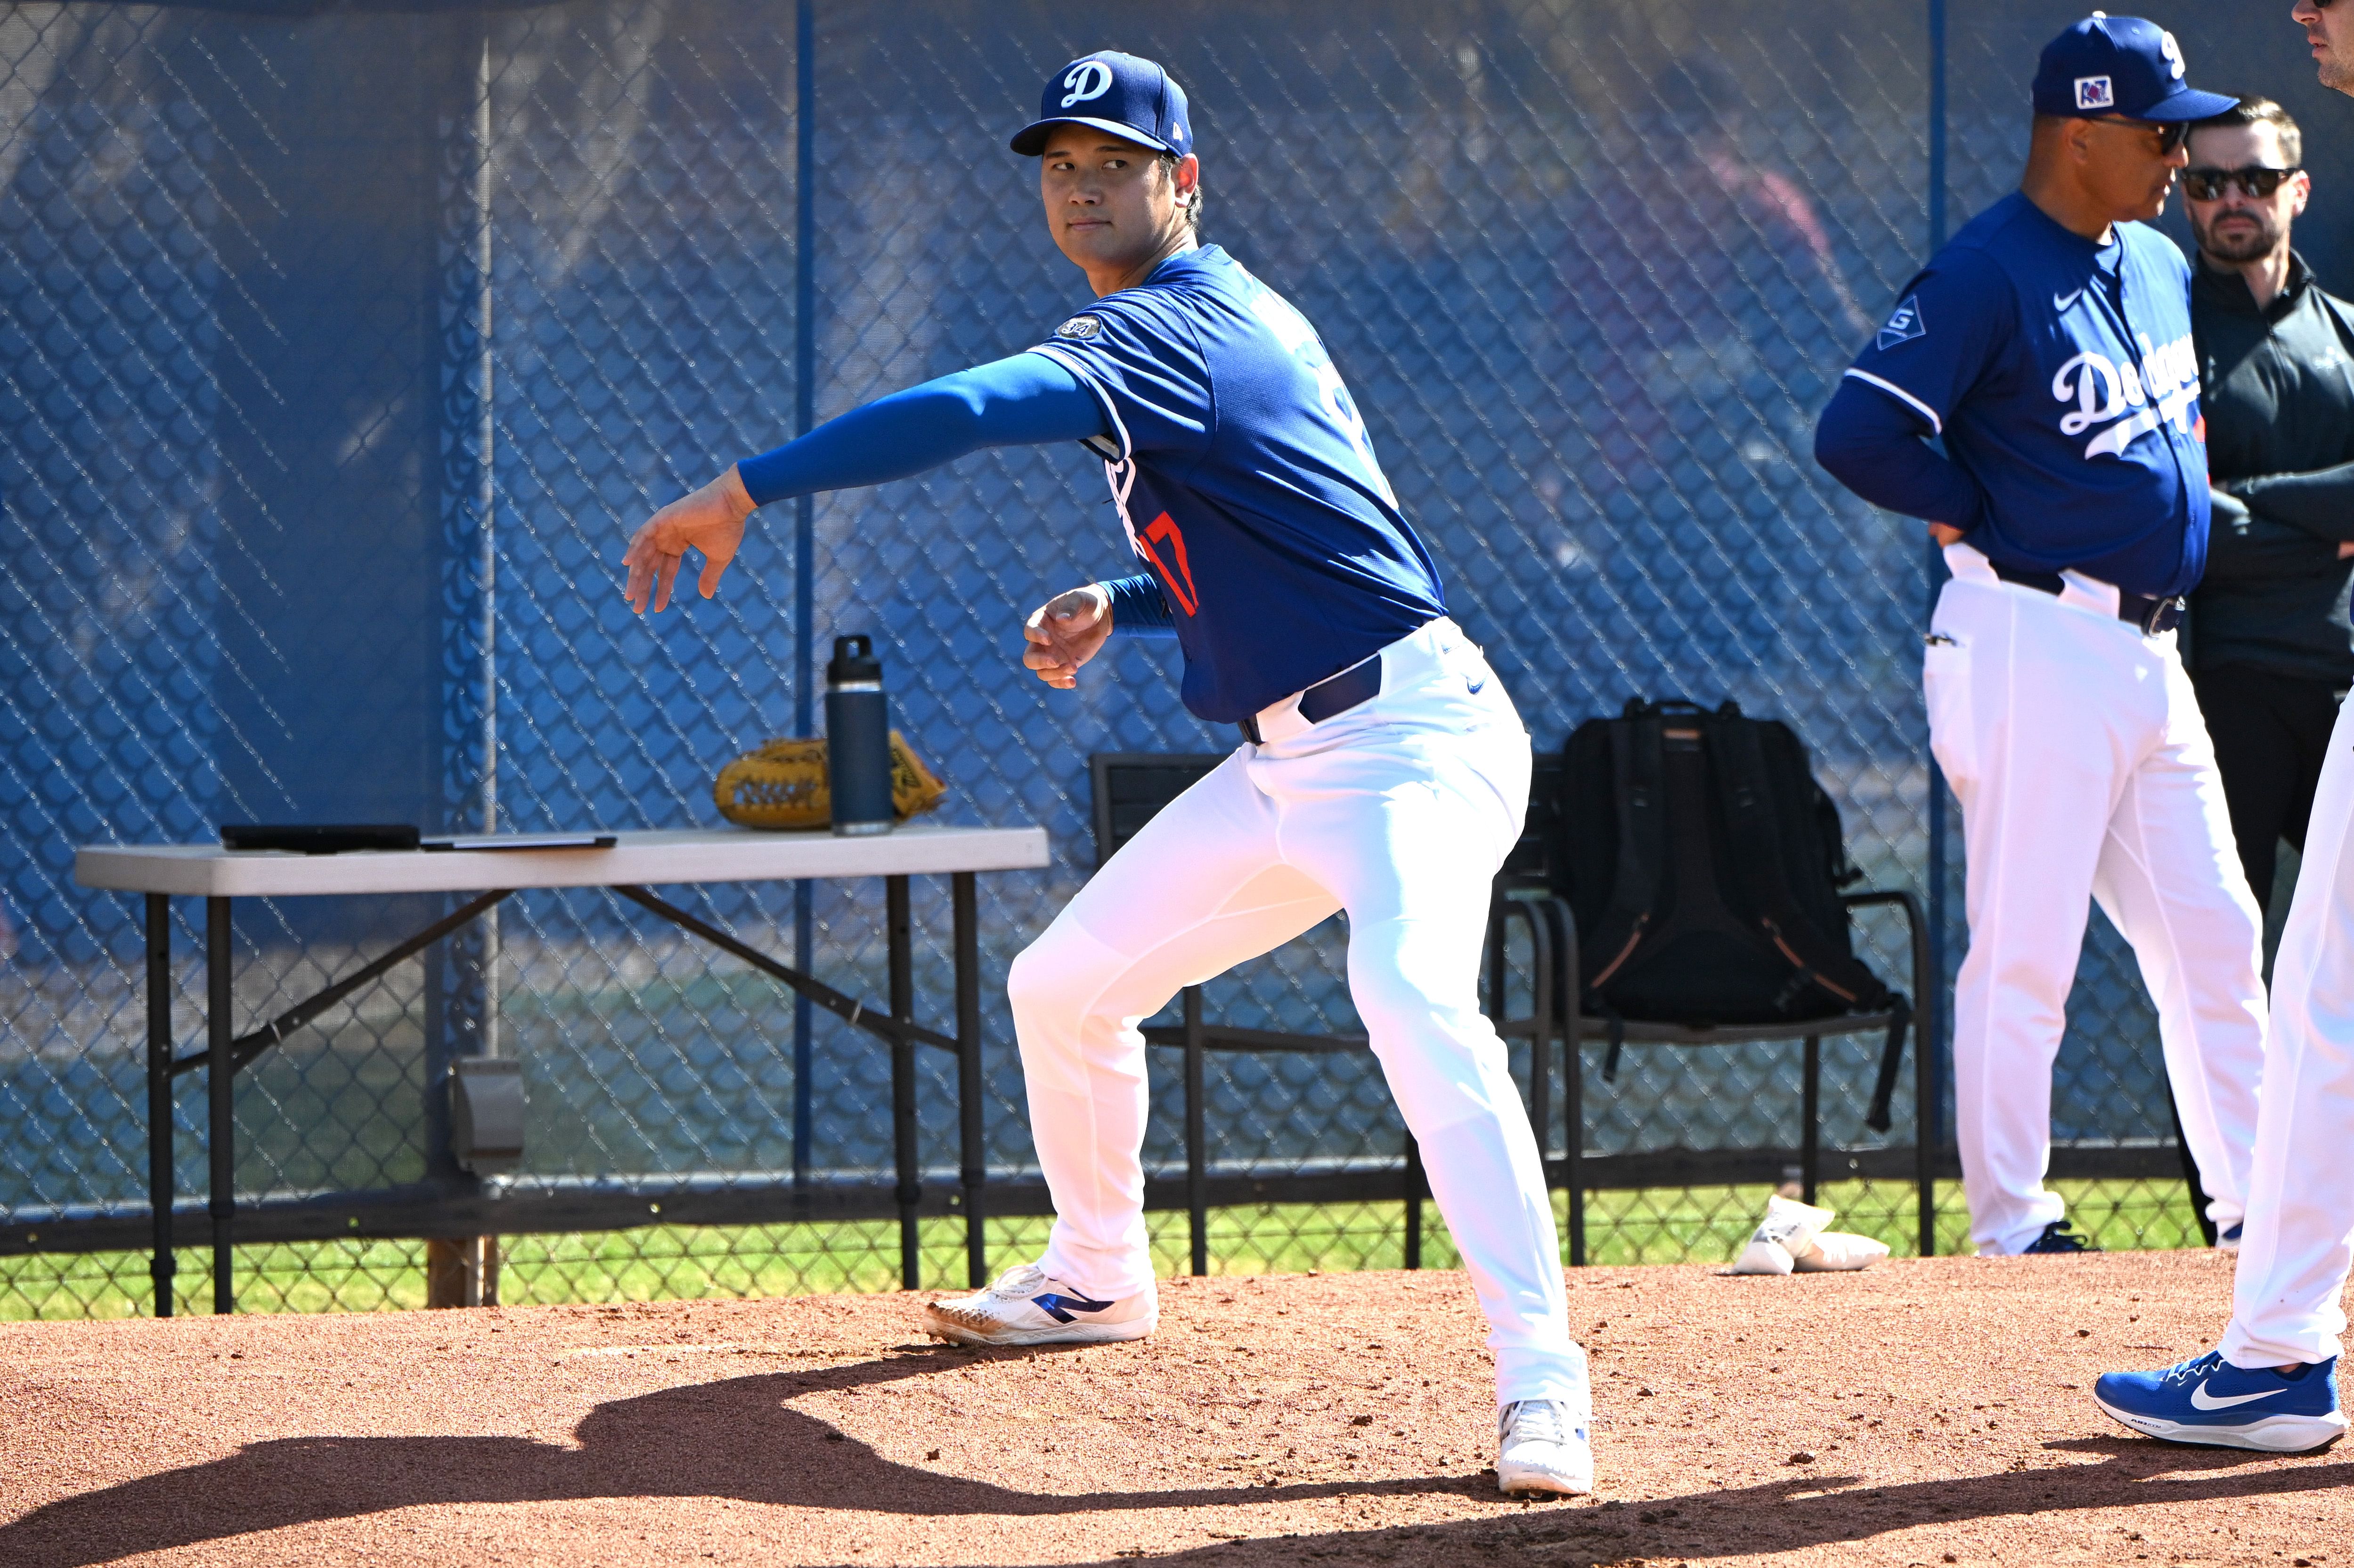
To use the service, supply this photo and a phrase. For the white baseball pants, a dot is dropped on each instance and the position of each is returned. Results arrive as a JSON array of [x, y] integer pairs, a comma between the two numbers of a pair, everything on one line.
[[1398, 812], [2300, 1238], [2083, 770]]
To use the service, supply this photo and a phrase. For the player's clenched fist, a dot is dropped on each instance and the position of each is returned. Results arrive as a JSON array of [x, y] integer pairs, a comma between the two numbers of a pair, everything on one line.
[[1065, 632], [709, 521]]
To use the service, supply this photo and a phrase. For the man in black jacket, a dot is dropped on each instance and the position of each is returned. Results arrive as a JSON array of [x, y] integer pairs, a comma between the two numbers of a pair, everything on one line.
[[2272, 651]]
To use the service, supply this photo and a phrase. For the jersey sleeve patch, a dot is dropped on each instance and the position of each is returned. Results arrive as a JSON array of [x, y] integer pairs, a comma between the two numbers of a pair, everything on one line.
[[1904, 325], [1135, 353], [1974, 306]]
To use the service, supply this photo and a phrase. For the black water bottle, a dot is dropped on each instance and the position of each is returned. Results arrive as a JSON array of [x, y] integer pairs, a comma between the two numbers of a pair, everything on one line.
[[857, 739]]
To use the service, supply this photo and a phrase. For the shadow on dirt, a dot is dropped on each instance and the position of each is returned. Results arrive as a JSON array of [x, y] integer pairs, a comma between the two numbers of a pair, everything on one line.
[[739, 1438], [735, 1438]]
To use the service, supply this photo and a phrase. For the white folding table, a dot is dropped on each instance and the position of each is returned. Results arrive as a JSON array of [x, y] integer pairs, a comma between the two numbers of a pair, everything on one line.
[[220, 877]]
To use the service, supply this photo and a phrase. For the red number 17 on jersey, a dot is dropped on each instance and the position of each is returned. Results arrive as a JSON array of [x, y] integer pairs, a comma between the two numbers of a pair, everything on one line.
[[1163, 530]]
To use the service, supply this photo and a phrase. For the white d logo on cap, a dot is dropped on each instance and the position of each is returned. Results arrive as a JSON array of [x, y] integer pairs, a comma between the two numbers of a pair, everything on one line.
[[2172, 51], [1088, 79]]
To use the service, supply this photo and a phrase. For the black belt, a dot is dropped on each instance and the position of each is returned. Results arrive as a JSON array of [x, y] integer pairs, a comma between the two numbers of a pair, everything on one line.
[[1329, 699], [2150, 614]]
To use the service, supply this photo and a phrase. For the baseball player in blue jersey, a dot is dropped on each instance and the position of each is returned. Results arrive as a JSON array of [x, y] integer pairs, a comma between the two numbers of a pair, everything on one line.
[[1383, 768], [2049, 344], [2271, 1382]]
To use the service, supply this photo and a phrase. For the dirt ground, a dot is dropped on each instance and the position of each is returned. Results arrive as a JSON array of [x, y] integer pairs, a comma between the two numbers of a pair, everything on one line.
[[1920, 1413]]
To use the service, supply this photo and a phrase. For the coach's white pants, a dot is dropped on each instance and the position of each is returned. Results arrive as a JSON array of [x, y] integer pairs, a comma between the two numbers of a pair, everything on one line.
[[2299, 1240], [1399, 811], [2083, 769]]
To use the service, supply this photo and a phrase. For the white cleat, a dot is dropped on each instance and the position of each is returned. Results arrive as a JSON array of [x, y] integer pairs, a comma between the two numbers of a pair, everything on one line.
[[1542, 1450], [1026, 1308]]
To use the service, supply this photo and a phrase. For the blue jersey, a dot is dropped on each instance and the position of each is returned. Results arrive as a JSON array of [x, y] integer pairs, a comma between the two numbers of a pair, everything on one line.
[[2062, 375], [1246, 482]]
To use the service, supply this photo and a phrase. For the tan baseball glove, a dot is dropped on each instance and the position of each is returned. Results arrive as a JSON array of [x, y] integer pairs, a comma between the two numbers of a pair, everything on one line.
[[782, 785]]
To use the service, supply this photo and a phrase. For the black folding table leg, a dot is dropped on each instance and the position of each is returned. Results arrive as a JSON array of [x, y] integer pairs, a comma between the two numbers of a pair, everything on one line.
[[900, 937], [220, 1081], [1810, 1151], [159, 1095], [971, 1133]]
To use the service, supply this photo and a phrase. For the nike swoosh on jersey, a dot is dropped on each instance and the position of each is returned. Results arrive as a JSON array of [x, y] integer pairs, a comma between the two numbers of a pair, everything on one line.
[[2061, 302], [2201, 1399]]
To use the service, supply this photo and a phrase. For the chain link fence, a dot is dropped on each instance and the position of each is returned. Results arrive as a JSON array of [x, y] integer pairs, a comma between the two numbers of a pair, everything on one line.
[[344, 345]]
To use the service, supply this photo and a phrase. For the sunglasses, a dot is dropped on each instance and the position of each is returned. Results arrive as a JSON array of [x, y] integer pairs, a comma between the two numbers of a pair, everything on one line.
[[2256, 181], [2171, 133]]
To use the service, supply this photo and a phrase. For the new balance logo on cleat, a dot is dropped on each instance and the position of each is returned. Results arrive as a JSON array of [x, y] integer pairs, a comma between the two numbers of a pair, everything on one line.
[[1026, 1307]]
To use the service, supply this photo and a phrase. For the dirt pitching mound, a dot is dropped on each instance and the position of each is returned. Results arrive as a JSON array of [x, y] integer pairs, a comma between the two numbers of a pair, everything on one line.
[[1927, 1413]]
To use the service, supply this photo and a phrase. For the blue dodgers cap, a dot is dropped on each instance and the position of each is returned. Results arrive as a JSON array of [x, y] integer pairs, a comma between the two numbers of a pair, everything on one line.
[[2119, 65], [1124, 94]]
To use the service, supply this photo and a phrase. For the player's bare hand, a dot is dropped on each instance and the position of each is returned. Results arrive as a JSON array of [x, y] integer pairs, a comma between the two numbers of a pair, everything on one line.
[[709, 521], [2346, 549], [1944, 533], [1065, 632]]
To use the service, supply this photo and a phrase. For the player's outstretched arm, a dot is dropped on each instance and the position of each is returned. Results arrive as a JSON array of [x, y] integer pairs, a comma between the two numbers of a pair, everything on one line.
[[1065, 632], [1026, 400]]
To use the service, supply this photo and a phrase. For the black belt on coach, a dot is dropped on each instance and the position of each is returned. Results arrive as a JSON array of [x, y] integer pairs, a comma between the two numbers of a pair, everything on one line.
[[1330, 699], [2151, 615]]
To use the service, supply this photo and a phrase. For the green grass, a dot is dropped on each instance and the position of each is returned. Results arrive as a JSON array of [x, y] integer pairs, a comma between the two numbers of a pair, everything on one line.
[[665, 1263]]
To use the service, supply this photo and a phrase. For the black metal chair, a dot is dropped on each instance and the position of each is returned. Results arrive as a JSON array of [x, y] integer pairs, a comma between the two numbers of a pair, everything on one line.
[[1530, 880], [1130, 788]]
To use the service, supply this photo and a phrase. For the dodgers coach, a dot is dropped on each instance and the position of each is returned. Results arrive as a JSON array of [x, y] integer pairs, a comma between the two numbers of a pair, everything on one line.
[[2049, 345]]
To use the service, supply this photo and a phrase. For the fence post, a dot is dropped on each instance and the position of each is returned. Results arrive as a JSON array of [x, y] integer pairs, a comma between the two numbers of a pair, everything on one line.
[[453, 1266], [804, 528], [1929, 1033]]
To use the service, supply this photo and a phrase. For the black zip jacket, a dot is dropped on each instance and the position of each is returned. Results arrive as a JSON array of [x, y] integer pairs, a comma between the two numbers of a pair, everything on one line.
[[2278, 397]]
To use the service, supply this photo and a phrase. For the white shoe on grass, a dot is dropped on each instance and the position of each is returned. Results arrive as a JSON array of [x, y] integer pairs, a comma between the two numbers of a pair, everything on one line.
[[1543, 1449], [1027, 1307]]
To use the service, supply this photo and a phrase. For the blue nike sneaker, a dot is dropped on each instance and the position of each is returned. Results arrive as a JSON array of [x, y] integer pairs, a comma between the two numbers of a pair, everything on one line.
[[2208, 1401]]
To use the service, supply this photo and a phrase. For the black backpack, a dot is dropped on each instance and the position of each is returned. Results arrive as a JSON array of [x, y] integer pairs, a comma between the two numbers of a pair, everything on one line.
[[1703, 864]]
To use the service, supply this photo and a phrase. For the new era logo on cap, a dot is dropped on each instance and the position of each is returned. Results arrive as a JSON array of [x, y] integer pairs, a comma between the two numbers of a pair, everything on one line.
[[2095, 92]]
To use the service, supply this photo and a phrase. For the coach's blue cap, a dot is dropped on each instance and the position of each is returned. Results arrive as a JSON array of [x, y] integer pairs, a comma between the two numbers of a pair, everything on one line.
[[2119, 65], [1116, 92]]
